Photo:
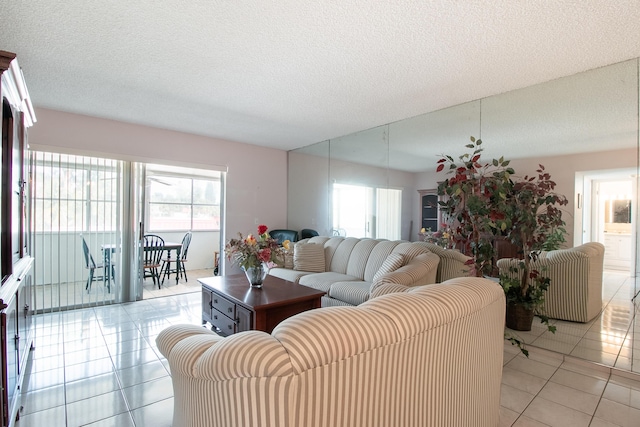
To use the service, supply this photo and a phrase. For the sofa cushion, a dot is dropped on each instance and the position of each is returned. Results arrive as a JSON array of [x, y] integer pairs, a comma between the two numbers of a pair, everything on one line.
[[341, 253], [354, 293], [308, 257], [393, 262], [288, 274], [359, 256], [378, 255], [323, 281]]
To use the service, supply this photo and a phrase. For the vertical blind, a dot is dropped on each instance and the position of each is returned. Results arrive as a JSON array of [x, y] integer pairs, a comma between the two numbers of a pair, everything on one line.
[[75, 199]]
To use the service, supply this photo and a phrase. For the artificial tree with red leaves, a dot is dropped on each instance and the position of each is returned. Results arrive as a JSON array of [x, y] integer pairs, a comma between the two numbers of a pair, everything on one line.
[[485, 200]]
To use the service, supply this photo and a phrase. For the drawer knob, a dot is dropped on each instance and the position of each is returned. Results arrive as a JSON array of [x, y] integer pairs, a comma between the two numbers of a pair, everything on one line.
[[215, 301], [215, 317], [229, 309], [229, 326]]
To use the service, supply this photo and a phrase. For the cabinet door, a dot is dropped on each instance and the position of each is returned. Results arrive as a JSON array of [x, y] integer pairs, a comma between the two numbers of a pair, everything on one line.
[[206, 305], [244, 319], [10, 352], [24, 318], [430, 212]]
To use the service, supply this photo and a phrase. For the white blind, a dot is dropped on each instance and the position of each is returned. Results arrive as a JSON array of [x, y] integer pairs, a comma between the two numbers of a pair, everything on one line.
[[74, 198]]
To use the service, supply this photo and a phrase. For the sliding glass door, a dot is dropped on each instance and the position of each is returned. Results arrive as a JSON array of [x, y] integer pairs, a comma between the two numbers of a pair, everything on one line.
[[76, 220], [360, 211]]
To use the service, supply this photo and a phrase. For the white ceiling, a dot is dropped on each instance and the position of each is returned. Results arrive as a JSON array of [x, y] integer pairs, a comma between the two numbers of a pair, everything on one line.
[[290, 73]]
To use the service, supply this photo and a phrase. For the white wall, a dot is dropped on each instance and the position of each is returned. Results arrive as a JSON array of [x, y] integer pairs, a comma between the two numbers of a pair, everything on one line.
[[256, 190], [562, 170]]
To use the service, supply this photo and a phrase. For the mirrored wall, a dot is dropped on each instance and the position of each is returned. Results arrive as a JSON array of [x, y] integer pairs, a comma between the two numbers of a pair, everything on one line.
[[582, 128]]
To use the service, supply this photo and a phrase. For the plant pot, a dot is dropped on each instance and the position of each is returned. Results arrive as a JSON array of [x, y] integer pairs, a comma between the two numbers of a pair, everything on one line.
[[518, 317]]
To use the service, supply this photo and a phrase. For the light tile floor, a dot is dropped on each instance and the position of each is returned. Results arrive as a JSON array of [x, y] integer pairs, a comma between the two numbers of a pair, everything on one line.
[[612, 338], [100, 367]]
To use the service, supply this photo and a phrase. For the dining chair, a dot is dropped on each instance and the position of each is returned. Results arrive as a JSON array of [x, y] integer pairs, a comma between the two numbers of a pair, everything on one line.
[[91, 265], [179, 269], [152, 255]]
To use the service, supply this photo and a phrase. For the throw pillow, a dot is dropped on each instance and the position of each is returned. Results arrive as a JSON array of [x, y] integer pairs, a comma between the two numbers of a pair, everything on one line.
[[392, 263], [308, 257]]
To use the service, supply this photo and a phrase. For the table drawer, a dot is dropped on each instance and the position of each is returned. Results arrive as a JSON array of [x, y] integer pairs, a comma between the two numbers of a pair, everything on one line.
[[223, 305], [224, 324]]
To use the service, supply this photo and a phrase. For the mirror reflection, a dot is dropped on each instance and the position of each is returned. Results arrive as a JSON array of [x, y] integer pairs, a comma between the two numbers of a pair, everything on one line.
[[582, 128]]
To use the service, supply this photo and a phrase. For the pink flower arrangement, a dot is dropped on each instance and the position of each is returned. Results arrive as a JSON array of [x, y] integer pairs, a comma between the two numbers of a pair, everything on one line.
[[252, 251]]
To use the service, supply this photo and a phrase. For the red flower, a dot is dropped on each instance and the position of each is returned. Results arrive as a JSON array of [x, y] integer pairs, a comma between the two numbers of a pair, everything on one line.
[[265, 255], [262, 229]]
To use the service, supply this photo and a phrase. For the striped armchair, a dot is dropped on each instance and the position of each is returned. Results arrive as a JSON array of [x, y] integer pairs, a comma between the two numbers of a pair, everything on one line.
[[422, 356], [575, 290]]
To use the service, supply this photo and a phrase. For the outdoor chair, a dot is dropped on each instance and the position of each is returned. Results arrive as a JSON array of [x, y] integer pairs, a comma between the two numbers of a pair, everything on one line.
[[91, 265], [152, 256], [179, 268]]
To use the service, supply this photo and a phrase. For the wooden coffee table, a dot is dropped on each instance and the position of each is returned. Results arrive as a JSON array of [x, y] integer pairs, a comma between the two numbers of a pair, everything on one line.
[[230, 305]]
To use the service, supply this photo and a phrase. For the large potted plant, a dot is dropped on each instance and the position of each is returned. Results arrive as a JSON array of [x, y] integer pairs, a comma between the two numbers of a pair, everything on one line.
[[484, 201], [535, 224]]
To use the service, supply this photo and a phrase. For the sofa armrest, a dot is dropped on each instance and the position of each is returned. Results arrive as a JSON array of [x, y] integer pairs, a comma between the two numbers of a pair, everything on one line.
[[421, 270], [250, 354], [387, 288]]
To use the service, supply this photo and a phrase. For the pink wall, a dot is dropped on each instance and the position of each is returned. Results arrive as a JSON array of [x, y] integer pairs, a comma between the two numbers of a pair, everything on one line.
[[256, 178]]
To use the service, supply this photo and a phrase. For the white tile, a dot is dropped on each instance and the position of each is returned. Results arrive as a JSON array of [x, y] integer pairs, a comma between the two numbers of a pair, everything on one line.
[[149, 392], [91, 387], [594, 355], [617, 393], [554, 345], [578, 381], [141, 373], [597, 422], [507, 417], [533, 367], [96, 408], [49, 417], [159, 414], [522, 381], [528, 422], [42, 399], [514, 399], [556, 415], [618, 413], [122, 420], [586, 367], [570, 397]]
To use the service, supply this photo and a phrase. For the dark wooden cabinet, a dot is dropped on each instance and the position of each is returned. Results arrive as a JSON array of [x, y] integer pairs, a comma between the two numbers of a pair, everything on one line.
[[16, 337], [225, 316], [230, 305], [430, 218]]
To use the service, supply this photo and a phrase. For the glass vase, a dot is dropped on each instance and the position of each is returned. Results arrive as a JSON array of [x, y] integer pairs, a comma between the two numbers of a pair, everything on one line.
[[256, 275]]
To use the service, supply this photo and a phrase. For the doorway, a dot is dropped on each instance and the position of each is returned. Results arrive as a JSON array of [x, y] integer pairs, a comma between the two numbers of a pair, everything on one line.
[[608, 216]]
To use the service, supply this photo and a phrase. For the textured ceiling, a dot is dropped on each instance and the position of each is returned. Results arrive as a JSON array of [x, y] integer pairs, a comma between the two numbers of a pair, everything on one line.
[[291, 73]]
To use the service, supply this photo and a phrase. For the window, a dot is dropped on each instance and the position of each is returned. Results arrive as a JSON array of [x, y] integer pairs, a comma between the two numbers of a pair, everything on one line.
[[74, 193], [179, 202], [360, 211]]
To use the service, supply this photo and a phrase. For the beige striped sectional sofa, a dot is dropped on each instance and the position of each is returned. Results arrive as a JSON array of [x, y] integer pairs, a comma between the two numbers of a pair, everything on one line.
[[575, 289], [411, 357], [452, 263], [349, 269]]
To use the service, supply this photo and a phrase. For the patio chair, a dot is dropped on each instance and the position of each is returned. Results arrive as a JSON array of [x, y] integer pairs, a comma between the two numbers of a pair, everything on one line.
[[91, 265], [152, 257], [179, 269]]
